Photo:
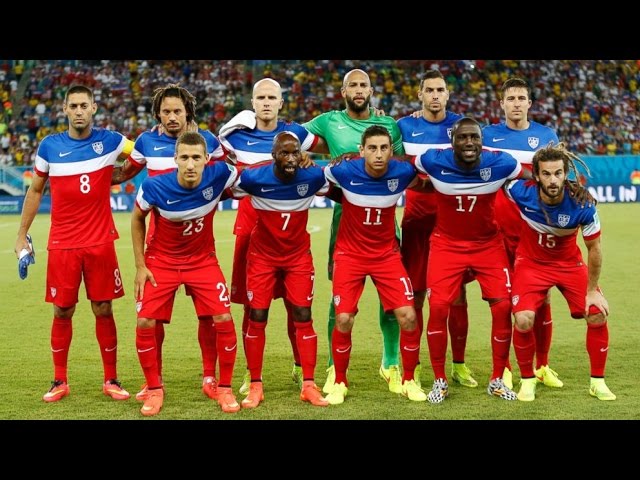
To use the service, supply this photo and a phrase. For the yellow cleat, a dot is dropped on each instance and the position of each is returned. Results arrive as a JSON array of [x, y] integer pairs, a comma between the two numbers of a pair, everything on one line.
[[331, 380], [246, 384], [549, 377], [527, 391], [463, 375], [413, 392], [338, 392], [392, 376], [507, 378], [600, 390]]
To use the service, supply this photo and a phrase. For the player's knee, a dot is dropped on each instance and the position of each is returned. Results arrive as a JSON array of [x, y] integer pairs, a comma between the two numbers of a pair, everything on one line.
[[259, 314], [524, 320], [302, 314], [344, 322], [406, 318], [225, 317], [101, 309], [64, 312], [596, 318]]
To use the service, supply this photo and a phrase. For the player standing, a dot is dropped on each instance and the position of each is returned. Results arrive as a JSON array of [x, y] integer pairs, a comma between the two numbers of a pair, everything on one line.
[[79, 164]]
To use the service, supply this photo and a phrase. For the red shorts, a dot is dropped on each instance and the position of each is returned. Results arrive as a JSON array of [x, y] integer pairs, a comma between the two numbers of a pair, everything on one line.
[[264, 275], [415, 250], [388, 275], [449, 267], [98, 266], [532, 281], [205, 282], [510, 223], [239, 273]]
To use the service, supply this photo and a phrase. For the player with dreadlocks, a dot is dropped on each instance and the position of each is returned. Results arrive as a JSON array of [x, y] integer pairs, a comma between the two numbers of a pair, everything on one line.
[[548, 255], [174, 108]]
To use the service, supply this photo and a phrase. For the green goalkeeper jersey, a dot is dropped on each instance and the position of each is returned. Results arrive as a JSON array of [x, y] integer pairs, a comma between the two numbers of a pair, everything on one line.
[[343, 134]]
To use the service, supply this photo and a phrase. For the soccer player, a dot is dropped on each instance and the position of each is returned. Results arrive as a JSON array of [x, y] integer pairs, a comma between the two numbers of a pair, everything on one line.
[[280, 248], [342, 131], [182, 251], [366, 244], [248, 137], [548, 256], [79, 164], [521, 138], [466, 236], [174, 107], [432, 129]]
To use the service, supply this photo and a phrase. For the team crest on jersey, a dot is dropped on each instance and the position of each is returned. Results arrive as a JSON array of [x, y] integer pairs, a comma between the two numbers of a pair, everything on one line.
[[138, 307], [449, 132], [207, 193], [98, 147], [485, 174], [393, 184], [54, 290], [250, 294], [303, 189], [534, 142], [336, 300], [515, 299], [563, 219]]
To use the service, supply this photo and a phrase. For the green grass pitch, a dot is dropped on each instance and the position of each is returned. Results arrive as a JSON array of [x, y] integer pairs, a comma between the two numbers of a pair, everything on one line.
[[26, 366]]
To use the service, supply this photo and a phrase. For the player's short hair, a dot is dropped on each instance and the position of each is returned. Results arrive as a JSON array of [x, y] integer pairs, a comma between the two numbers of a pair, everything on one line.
[[78, 88], [286, 133], [174, 90], [464, 121], [375, 131], [515, 82], [344, 80], [191, 138], [429, 74], [266, 79]]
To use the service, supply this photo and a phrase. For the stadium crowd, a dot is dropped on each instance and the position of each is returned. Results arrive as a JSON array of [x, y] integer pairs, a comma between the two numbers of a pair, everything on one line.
[[592, 104]]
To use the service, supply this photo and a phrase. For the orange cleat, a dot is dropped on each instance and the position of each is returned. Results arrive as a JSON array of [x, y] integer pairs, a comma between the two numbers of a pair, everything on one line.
[[256, 395], [210, 387], [227, 400], [311, 393], [113, 389], [153, 402], [58, 391]]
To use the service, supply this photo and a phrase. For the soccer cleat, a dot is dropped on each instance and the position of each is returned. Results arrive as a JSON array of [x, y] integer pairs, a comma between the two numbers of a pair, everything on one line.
[[338, 392], [26, 258], [416, 375], [600, 390], [58, 391], [507, 378], [142, 395], [246, 383], [549, 377], [210, 387], [112, 388], [439, 391], [331, 380], [311, 393], [392, 376], [497, 388], [227, 400], [463, 375], [255, 396], [153, 402], [413, 392], [297, 376], [527, 391]]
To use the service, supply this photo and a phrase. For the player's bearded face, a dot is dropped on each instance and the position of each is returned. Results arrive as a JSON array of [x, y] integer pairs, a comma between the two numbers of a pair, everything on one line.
[[551, 178], [358, 102], [288, 158], [173, 116]]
